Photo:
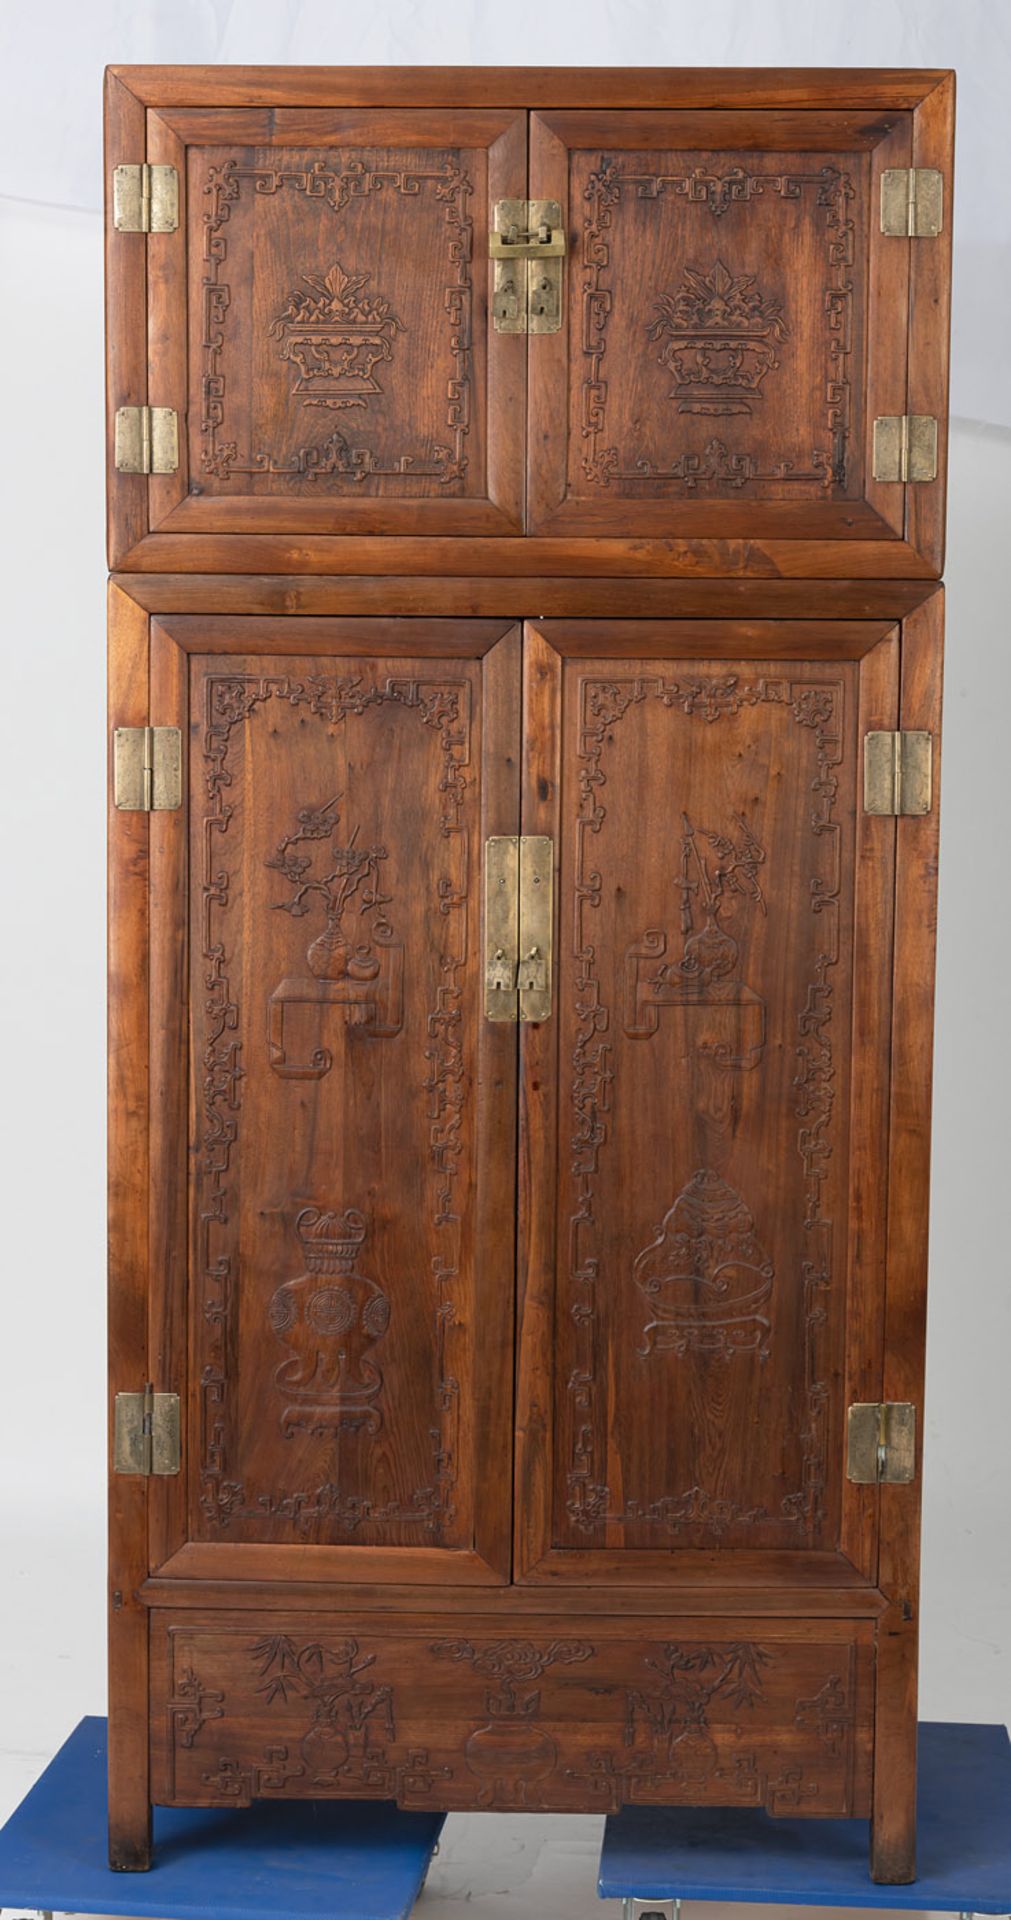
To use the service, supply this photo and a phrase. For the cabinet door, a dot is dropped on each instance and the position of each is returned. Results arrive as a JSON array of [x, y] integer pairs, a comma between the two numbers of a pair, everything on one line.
[[703, 1240], [332, 1202], [319, 321], [735, 322]]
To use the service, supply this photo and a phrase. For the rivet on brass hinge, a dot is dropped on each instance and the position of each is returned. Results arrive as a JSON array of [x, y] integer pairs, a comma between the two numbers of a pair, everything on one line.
[[898, 772], [912, 202], [527, 246], [147, 769], [905, 447], [881, 1443], [145, 199], [146, 1433], [147, 440]]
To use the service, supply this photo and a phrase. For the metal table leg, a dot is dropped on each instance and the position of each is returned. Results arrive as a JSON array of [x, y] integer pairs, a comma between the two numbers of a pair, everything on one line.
[[652, 1910]]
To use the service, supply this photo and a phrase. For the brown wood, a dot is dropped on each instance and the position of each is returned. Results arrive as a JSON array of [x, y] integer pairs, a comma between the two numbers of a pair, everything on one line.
[[516, 594], [758, 559], [390, 1178], [893, 1850], [473, 1323], [659, 1357], [506, 1603], [129, 1267], [834, 88], [710, 378], [410, 1708], [734, 322]]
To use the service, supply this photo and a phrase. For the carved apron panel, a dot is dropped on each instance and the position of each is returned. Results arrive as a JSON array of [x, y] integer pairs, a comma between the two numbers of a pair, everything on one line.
[[462, 1719]]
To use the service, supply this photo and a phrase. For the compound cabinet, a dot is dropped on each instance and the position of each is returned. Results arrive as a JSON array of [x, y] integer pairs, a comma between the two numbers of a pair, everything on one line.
[[526, 505]]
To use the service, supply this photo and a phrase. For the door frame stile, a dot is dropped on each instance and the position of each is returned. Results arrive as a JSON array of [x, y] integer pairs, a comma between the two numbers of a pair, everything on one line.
[[128, 839], [538, 1133], [893, 1841]]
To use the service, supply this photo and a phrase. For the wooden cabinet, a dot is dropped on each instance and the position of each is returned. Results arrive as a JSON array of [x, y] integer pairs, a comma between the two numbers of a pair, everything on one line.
[[515, 1355]]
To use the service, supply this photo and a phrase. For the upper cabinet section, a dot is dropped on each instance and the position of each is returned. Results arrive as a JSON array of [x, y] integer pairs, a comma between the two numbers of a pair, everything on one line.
[[479, 321]]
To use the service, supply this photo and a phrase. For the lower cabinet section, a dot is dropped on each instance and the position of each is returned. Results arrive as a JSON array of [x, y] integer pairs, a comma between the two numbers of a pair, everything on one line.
[[566, 1714]]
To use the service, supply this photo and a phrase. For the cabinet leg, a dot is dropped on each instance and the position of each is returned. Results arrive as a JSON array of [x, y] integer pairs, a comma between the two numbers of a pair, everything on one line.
[[893, 1853], [130, 1842]]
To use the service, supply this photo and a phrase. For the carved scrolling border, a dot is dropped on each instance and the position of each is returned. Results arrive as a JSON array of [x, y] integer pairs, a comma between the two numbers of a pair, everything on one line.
[[337, 187], [818, 707], [444, 706], [717, 192]]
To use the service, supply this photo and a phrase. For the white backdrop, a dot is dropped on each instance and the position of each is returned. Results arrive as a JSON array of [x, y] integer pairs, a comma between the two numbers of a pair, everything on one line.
[[52, 771]]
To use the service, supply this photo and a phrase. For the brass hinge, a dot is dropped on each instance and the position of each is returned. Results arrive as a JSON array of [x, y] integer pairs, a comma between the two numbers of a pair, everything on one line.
[[146, 1433], [898, 772], [147, 769], [905, 446], [147, 440], [912, 202], [145, 199], [881, 1443], [518, 919], [527, 245]]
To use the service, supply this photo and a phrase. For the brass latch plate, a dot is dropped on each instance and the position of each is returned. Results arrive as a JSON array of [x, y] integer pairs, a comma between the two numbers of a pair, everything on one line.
[[912, 202], [501, 925], [537, 863], [518, 916], [881, 1443], [905, 447], [146, 1433], [898, 772], [527, 247], [147, 769], [145, 199], [147, 440]]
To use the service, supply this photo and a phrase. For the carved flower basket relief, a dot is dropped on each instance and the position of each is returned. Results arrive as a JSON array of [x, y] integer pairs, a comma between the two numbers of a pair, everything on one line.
[[335, 336], [719, 334]]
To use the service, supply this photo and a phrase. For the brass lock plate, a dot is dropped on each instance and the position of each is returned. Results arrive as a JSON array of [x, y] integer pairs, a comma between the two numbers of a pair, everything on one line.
[[537, 863], [518, 919], [501, 925], [527, 247]]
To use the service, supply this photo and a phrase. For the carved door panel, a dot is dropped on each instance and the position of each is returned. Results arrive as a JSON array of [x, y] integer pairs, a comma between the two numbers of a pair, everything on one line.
[[319, 320], [704, 1222], [736, 320], [342, 1327]]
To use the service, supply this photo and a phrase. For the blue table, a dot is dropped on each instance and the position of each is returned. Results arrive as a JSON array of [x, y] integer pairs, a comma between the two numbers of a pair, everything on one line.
[[963, 1843], [350, 1860]]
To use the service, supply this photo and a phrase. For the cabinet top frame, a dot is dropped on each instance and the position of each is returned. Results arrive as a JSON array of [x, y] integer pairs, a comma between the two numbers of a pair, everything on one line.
[[895, 530], [901, 88]]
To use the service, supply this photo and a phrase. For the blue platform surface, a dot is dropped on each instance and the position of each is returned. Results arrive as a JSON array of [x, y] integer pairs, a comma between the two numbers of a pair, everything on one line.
[[733, 1853], [350, 1860]]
